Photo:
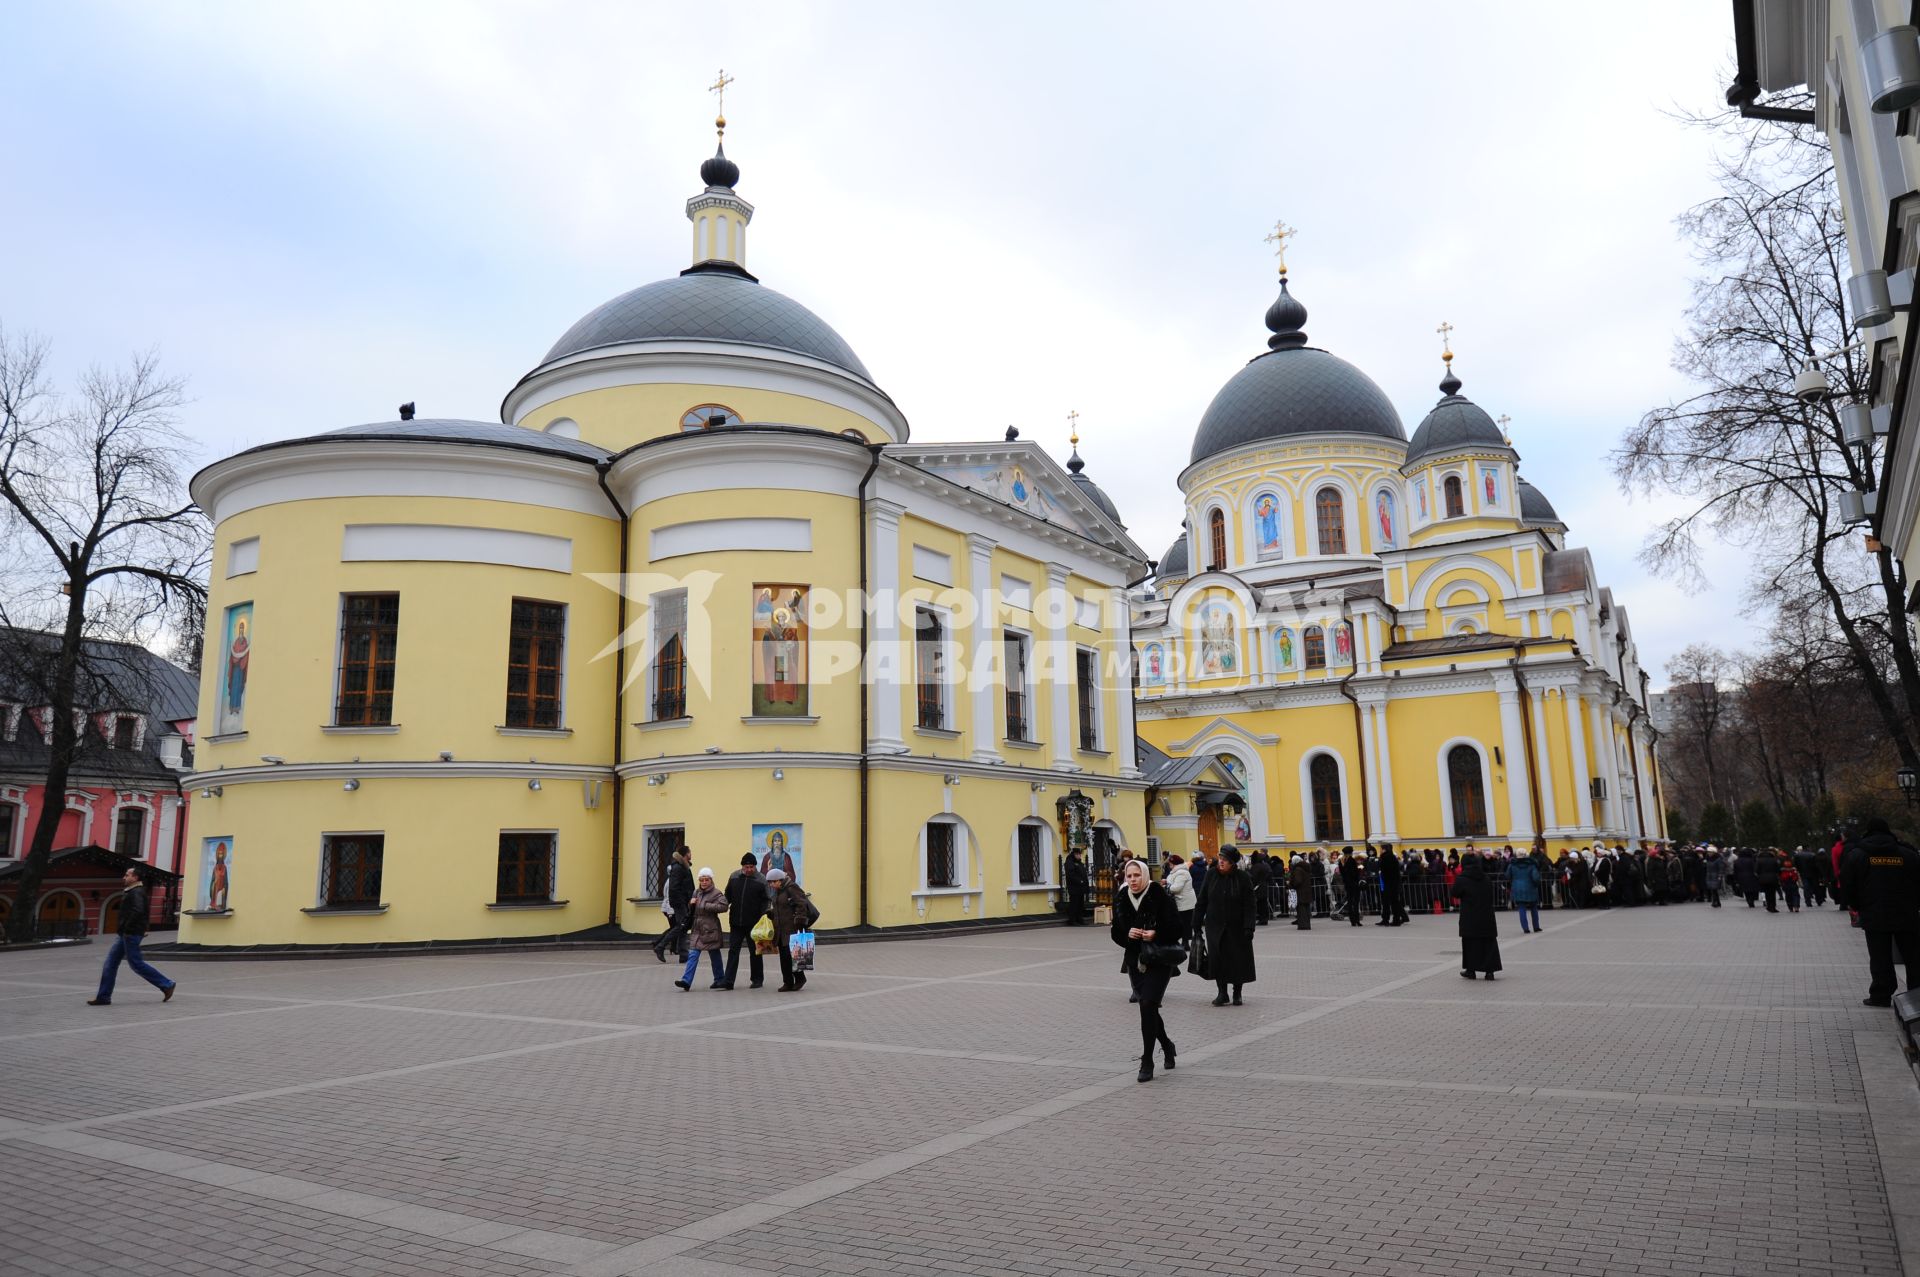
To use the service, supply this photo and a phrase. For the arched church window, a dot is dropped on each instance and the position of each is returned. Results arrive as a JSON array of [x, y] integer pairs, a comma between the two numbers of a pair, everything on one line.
[[1314, 645], [1469, 792], [1456, 502], [706, 415], [1330, 513], [1323, 778], [1217, 541]]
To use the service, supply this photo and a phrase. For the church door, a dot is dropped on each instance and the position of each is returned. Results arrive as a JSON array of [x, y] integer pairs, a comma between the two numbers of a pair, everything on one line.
[[110, 916], [1329, 820], [60, 915], [1469, 792], [1209, 831]]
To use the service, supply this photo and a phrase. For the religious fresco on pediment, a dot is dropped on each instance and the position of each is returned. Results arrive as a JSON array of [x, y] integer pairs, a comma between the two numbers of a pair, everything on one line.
[[1013, 482], [1219, 649]]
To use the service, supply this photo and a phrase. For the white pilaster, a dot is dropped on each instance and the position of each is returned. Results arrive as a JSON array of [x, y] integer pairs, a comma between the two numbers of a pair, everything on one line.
[[887, 668], [1513, 746], [1542, 761], [1055, 613], [1369, 761], [1577, 746], [986, 747], [1383, 756], [1123, 686]]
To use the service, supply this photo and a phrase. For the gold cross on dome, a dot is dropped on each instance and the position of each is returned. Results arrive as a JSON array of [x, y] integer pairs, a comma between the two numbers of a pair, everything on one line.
[[719, 90], [1278, 237], [1073, 426], [1505, 433], [1446, 340]]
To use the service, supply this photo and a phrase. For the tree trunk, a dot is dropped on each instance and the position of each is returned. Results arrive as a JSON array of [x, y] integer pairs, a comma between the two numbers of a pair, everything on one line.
[[1898, 724], [63, 745]]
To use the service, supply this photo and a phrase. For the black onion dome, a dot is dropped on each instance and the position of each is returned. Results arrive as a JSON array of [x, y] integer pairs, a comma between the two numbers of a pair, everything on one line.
[[717, 305], [1535, 508], [720, 171], [1091, 490], [1455, 422], [1173, 563], [1293, 389]]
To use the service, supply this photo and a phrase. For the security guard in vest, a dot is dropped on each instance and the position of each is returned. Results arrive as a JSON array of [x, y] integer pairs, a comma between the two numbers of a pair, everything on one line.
[[1881, 879]]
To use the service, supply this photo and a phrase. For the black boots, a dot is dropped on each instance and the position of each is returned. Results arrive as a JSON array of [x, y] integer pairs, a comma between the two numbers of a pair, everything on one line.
[[1166, 1048], [1146, 1068]]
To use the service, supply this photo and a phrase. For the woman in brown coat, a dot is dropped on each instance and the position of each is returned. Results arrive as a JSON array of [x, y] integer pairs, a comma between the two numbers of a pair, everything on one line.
[[703, 933], [792, 912]]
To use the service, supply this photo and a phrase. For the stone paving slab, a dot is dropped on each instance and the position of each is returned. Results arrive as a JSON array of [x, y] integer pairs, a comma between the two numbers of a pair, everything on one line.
[[1635, 1084]]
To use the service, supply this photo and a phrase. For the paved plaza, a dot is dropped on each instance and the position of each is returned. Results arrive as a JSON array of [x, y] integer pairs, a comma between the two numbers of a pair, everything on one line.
[[1660, 1090]]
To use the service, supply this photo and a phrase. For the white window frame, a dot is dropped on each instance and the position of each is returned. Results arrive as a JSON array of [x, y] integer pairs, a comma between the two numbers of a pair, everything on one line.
[[653, 657], [1098, 694], [1025, 640], [946, 650], [1048, 857], [962, 858]]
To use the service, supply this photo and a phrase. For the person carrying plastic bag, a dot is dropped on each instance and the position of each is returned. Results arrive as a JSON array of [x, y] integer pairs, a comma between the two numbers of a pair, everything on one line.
[[793, 919]]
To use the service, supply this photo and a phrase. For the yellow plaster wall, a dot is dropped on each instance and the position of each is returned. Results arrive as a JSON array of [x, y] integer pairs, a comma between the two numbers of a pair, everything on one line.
[[620, 416]]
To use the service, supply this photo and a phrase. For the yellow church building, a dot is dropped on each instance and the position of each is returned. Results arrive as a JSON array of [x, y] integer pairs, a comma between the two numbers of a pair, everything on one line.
[[696, 587], [1381, 638]]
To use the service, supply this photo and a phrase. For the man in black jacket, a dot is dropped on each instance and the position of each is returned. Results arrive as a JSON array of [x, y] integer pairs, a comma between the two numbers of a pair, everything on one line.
[[133, 929], [1350, 884], [1766, 872], [680, 900], [747, 903], [1881, 878], [1393, 909], [1078, 888]]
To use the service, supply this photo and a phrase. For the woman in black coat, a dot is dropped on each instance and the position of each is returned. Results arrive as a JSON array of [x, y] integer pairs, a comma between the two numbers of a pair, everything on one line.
[[1229, 912], [1143, 913], [1479, 931]]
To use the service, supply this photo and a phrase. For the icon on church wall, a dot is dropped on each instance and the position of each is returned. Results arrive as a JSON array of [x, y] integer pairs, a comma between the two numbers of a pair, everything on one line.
[[1153, 668], [1266, 524], [1217, 656], [1242, 829], [1283, 649], [778, 847], [216, 869], [1490, 478], [779, 651], [237, 650], [1343, 643], [1383, 515], [1422, 490]]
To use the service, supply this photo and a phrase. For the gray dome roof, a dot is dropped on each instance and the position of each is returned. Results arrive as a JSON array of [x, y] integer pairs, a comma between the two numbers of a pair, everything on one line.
[[1174, 562], [1455, 422], [709, 304], [1535, 508], [1091, 490], [1293, 389], [454, 430]]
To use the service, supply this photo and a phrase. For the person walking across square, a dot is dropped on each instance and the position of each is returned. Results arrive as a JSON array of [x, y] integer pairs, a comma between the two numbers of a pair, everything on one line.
[[747, 902], [679, 894], [133, 929], [792, 912]]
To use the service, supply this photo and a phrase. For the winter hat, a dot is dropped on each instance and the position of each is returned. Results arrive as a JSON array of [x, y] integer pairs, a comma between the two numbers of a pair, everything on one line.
[[1230, 854], [777, 875], [748, 859], [704, 873]]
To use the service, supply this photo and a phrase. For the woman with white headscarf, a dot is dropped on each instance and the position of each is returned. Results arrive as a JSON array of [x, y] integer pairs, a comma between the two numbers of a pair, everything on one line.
[[1146, 925], [703, 933]]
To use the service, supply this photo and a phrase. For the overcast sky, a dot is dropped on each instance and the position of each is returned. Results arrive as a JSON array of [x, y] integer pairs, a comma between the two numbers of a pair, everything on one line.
[[316, 212]]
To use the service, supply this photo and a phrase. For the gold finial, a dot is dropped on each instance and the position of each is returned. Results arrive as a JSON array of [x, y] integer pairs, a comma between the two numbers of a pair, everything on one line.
[[719, 89], [1073, 427], [1279, 236], [1446, 342]]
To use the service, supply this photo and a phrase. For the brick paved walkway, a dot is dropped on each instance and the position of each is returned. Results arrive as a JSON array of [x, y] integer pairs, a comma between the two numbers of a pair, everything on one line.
[[1662, 1090]]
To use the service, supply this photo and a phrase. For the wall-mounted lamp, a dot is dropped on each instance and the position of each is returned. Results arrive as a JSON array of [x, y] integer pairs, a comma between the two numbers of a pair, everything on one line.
[[950, 779], [779, 773], [350, 785], [1108, 793], [275, 759], [213, 791], [534, 784], [446, 755], [657, 780], [713, 749], [1038, 787]]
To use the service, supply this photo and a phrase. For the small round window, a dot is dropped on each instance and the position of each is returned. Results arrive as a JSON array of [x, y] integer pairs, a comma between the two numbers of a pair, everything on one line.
[[706, 415]]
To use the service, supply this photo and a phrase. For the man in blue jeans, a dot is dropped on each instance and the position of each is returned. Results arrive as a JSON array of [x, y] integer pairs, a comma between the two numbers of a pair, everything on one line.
[[133, 928]]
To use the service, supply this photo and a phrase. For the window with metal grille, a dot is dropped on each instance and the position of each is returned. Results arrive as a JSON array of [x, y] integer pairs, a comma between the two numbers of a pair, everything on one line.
[[1469, 791], [536, 641], [1323, 777], [9, 815], [1330, 513], [1313, 648], [670, 655], [526, 868], [662, 842], [943, 856], [1456, 500], [1019, 724], [350, 870], [1032, 867], [1083, 677], [930, 669], [1217, 541], [369, 633], [129, 831]]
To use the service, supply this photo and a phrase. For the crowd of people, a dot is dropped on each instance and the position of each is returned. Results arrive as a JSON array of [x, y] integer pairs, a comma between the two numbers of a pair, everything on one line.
[[1201, 916]]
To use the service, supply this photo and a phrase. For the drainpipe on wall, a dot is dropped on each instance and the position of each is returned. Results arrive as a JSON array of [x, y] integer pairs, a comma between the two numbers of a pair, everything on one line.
[[1359, 729], [600, 469], [866, 625], [1526, 734]]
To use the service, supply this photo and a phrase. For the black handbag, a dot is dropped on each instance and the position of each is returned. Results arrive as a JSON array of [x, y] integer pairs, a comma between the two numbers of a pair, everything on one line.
[[1153, 954]]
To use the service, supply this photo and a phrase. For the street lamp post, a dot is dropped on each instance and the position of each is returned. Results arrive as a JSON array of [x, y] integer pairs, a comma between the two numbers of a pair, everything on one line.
[[1907, 779]]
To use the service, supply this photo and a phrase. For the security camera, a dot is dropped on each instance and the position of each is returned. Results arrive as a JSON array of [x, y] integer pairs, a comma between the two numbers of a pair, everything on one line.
[[1811, 386]]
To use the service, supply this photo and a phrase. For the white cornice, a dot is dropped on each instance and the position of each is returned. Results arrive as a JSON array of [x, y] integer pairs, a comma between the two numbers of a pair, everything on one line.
[[711, 363], [901, 481], [348, 466], [269, 773], [964, 768], [1211, 469], [805, 459]]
